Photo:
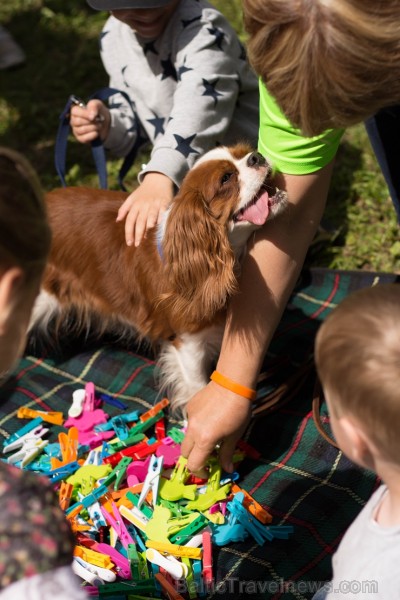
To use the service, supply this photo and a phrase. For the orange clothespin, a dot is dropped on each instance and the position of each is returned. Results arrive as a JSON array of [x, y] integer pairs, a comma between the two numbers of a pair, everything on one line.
[[254, 507], [69, 448], [56, 418], [153, 411], [64, 496]]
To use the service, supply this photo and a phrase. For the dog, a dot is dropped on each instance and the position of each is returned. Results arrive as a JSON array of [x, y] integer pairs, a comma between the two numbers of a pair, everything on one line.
[[172, 289]]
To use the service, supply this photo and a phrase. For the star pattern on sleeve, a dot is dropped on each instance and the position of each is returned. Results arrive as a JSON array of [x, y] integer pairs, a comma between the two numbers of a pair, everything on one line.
[[101, 37], [149, 47], [183, 145], [168, 69], [158, 124], [183, 69], [187, 22], [209, 90], [219, 36], [126, 84]]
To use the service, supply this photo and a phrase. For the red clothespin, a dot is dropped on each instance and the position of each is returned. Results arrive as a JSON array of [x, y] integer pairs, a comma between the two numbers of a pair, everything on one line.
[[207, 558], [153, 411], [147, 450], [250, 451], [160, 429]]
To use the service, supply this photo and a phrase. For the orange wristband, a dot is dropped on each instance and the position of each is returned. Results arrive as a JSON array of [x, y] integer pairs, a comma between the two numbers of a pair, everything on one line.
[[233, 386]]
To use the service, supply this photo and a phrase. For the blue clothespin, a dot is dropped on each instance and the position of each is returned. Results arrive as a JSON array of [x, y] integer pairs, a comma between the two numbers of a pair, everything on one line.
[[126, 418], [63, 471], [257, 530], [113, 401], [152, 480]]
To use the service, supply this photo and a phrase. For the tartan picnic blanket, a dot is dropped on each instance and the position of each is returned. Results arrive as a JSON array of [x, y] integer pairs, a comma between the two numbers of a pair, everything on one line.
[[298, 477]]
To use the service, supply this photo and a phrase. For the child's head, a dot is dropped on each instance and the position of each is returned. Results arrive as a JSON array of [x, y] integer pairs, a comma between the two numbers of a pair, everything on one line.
[[24, 247], [357, 355], [147, 19], [328, 63]]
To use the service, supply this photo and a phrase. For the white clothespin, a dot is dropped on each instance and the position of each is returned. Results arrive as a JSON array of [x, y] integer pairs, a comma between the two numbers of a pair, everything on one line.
[[30, 449], [34, 434], [78, 398], [152, 480], [92, 573], [174, 567]]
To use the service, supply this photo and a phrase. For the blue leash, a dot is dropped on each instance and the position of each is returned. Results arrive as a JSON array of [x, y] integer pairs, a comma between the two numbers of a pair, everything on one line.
[[98, 152]]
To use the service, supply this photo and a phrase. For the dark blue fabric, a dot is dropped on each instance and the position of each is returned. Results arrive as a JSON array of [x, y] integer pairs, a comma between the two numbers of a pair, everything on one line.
[[384, 133], [98, 151]]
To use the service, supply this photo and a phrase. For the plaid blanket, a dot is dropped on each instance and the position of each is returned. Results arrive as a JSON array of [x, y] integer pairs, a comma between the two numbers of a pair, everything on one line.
[[298, 477]]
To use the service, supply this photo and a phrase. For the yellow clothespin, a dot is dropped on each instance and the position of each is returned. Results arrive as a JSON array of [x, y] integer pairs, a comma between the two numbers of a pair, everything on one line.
[[214, 492], [95, 558], [174, 488], [57, 418], [175, 550], [161, 525]]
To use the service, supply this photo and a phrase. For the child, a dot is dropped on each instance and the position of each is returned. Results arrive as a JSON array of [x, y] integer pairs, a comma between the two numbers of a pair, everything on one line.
[[186, 73], [36, 543], [357, 354]]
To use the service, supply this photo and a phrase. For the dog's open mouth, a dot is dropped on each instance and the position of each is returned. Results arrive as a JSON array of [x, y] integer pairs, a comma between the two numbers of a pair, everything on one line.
[[258, 209]]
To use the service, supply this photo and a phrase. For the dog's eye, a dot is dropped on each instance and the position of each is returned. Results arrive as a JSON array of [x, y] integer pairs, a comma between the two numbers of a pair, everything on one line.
[[226, 177]]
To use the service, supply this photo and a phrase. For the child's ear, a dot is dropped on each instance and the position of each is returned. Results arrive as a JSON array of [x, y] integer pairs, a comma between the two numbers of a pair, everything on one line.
[[360, 449], [10, 282]]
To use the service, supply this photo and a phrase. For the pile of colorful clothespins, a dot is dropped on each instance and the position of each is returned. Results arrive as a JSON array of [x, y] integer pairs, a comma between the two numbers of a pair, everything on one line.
[[144, 525]]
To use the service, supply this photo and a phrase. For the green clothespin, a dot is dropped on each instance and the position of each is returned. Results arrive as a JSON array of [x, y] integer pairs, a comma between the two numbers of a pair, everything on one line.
[[133, 561], [214, 493], [183, 535], [118, 472], [176, 509], [143, 566], [176, 434], [133, 440], [190, 583], [145, 508], [127, 587], [174, 488]]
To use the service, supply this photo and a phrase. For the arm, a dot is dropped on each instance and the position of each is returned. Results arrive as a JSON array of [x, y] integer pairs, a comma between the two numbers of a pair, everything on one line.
[[269, 273]]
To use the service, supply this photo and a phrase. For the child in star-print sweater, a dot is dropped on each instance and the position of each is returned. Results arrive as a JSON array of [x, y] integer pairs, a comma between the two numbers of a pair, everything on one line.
[[185, 71]]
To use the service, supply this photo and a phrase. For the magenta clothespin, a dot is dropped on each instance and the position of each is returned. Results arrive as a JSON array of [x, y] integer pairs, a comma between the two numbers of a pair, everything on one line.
[[137, 471], [122, 565], [170, 451], [118, 524], [89, 417]]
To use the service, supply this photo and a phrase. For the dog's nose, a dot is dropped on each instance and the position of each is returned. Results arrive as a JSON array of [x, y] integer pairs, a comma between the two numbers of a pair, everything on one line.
[[255, 160]]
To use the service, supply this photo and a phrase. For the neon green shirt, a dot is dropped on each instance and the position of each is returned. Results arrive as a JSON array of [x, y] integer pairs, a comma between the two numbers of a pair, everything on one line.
[[289, 151]]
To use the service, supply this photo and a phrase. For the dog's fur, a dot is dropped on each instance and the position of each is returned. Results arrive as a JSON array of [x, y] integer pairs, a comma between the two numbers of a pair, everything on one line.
[[173, 289]]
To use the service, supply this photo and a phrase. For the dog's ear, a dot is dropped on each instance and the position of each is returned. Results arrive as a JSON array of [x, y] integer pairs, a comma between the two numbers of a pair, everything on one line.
[[198, 258]]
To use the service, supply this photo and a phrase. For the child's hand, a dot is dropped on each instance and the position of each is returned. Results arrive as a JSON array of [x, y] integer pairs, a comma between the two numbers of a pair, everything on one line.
[[90, 122], [144, 207]]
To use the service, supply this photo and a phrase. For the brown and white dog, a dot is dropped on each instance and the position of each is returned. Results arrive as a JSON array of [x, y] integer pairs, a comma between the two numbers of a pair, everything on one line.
[[174, 288]]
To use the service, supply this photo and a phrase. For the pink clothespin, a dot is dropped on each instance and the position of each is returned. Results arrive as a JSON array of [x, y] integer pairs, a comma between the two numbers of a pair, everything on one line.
[[118, 524], [170, 451], [207, 558], [89, 417]]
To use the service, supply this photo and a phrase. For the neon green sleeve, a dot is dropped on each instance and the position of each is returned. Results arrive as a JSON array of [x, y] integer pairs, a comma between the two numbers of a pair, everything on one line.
[[288, 150]]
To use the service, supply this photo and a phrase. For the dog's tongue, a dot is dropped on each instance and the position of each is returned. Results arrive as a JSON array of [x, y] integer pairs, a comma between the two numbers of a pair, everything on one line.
[[257, 213]]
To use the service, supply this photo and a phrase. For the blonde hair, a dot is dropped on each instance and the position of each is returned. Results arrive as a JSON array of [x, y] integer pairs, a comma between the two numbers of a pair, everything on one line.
[[357, 355], [24, 230], [328, 63]]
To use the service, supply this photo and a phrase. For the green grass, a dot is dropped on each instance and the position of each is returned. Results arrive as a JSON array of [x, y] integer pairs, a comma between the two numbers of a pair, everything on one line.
[[61, 42]]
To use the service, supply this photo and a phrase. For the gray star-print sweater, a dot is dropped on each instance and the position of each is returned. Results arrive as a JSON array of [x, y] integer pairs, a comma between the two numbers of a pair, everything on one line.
[[191, 89]]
